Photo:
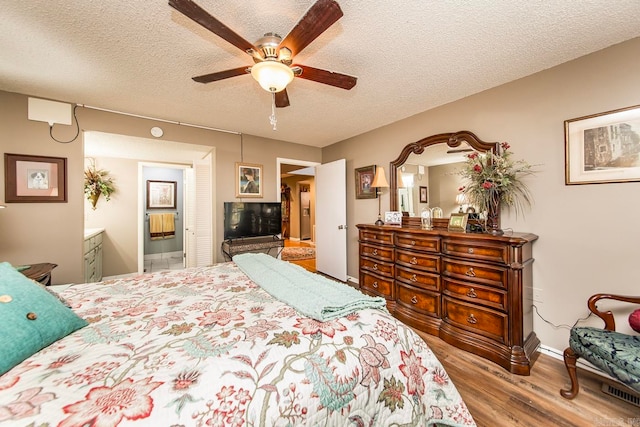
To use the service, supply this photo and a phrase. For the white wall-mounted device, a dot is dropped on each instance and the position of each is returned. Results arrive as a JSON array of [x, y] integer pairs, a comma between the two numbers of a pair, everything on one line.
[[43, 110]]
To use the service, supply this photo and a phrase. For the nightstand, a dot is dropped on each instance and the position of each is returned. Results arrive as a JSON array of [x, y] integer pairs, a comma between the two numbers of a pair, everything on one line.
[[40, 272]]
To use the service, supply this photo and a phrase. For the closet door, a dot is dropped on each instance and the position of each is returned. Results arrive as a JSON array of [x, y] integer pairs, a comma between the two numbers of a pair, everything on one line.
[[203, 211]]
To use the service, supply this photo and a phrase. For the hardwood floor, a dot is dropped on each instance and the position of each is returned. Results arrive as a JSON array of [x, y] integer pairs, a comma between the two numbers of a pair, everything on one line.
[[308, 264], [497, 398]]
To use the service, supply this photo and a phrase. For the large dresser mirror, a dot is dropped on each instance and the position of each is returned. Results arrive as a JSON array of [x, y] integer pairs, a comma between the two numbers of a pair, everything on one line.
[[425, 173]]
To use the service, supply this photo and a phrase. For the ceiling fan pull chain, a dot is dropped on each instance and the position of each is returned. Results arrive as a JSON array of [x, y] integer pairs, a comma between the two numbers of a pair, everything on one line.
[[272, 118]]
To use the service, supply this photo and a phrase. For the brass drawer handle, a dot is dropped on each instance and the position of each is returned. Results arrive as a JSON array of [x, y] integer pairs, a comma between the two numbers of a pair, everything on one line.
[[413, 261], [470, 272], [470, 250], [375, 266], [375, 284], [414, 278], [471, 293], [471, 319], [414, 300], [413, 243], [375, 252]]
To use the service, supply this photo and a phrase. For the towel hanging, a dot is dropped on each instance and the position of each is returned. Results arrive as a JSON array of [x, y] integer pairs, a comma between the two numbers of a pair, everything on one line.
[[155, 226], [168, 226]]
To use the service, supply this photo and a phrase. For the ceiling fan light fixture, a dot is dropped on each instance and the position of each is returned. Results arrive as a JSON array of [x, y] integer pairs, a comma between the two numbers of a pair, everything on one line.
[[273, 76]]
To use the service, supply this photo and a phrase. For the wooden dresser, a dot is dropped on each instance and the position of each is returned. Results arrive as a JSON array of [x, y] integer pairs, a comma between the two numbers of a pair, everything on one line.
[[472, 290]]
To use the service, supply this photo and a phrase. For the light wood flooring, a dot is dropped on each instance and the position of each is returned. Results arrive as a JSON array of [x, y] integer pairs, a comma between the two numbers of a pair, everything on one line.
[[308, 264], [497, 398]]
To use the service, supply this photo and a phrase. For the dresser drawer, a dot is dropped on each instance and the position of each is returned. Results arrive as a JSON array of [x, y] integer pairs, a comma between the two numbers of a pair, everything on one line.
[[488, 274], [418, 260], [489, 323], [418, 278], [488, 251], [379, 267], [418, 300], [378, 285], [376, 236], [381, 253], [418, 242], [476, 294]]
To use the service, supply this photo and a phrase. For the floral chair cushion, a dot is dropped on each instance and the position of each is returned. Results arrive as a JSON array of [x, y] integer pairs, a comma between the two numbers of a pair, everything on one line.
[[615, 353]]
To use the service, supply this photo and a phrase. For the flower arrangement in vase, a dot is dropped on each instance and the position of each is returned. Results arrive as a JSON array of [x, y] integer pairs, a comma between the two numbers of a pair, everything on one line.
[[97, 182], [494, 179]]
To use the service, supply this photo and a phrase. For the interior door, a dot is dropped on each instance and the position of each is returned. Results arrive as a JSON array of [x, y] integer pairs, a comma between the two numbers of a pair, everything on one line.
[[331, 219]]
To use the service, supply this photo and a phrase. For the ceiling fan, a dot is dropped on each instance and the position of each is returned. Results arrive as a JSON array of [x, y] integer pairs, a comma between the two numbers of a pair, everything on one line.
[[273, 55]]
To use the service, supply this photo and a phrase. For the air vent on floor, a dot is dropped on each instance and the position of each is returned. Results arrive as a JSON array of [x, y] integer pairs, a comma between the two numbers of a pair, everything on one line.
[[621, 393]]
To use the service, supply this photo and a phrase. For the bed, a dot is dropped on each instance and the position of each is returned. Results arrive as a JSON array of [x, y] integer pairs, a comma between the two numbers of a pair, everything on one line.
[[211, 347]]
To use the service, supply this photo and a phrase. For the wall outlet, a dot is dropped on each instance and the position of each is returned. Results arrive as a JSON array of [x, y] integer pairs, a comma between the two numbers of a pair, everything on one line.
[[537, 295]]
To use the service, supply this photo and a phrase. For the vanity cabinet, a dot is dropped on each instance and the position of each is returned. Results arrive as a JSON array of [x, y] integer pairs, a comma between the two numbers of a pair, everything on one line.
[[93, 257], [472, 290]]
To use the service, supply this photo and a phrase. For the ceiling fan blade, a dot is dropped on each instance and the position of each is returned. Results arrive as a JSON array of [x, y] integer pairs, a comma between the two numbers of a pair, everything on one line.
[[282, 99], [202, 17], [220, 75], [330, 78], [318, 18]]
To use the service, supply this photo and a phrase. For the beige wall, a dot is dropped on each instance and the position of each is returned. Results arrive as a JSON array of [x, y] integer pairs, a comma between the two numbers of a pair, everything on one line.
[[587, 234], [53, 232]]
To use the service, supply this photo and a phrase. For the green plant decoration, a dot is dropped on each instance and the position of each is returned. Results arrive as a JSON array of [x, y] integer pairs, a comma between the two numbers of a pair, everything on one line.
[[97, 182]]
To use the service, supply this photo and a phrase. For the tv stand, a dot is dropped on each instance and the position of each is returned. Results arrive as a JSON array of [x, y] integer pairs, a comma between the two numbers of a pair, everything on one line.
[[231, 247]]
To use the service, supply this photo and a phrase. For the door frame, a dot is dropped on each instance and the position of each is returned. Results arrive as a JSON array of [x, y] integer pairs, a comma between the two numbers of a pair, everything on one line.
[[142, 201]]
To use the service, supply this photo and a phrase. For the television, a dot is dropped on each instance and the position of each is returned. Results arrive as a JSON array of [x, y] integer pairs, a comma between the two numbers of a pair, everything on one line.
[[251, 219]]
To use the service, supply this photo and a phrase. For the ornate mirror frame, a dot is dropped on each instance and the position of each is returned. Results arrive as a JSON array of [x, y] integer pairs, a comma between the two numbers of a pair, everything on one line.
[[453, 139]]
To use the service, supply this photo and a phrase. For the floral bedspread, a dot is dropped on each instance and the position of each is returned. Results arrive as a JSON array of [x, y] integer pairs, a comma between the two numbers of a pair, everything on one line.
[[208, 347]]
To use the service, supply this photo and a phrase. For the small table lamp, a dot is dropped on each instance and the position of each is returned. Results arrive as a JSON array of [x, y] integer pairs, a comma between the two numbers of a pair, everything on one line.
[[461, 199], [379, 181]]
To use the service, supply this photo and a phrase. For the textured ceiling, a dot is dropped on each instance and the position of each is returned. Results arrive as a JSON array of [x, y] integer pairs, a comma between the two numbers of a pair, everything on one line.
[[409, 56]]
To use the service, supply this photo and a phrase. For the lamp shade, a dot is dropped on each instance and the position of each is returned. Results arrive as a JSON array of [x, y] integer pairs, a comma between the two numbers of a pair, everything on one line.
[[401, 183], [379, 179], [273, 76]]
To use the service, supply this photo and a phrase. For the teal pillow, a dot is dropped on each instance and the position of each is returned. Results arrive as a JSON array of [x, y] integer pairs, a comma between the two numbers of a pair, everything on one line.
[[31, 318]]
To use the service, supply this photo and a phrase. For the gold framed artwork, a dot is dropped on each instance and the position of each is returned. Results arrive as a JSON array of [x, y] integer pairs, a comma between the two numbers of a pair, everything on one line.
[[364, 179], [603, 148], [35, 179], [458, 222], [248, 180], [161, 194]]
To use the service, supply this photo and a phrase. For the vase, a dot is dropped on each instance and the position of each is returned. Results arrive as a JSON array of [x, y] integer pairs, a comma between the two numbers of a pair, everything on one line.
[[94, 199], [493, 214]]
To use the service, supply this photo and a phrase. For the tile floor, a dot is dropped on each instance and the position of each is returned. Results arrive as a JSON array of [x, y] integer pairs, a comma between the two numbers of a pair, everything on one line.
[[165, 261]]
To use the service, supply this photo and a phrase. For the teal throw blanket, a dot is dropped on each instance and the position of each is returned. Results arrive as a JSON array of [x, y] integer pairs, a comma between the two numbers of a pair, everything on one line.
[[310, 294]]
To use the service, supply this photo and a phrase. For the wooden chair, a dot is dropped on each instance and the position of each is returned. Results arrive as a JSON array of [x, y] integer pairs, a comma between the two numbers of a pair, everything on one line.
[[613, 352]]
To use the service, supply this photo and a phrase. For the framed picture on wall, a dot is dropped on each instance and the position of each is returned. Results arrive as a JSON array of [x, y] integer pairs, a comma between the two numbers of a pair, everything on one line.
[[603, 147], [424, 198], [35, 179], [364, 179], [248, 180], [161, 194]]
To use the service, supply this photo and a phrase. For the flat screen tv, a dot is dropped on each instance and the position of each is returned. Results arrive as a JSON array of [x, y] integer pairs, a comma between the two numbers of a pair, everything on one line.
[[251, 219]]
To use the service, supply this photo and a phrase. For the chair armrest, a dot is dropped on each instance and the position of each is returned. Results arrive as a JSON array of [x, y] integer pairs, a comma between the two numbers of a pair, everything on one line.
[[607, 316]]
